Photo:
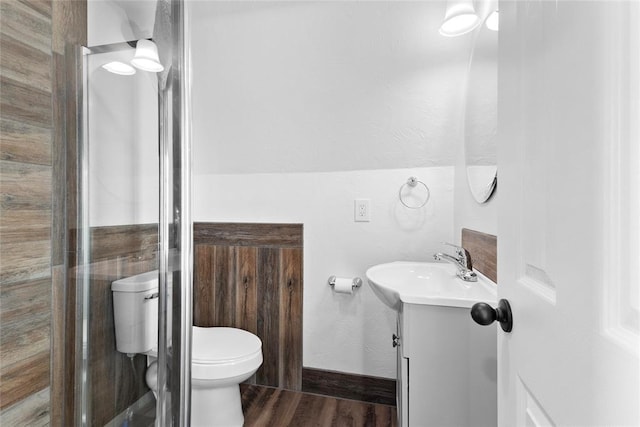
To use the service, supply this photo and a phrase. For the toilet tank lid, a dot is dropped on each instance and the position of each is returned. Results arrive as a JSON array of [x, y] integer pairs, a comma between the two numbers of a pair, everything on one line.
[[138, 283]]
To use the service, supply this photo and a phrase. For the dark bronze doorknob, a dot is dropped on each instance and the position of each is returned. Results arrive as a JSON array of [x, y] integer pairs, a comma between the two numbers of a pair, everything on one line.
[[483, 314]]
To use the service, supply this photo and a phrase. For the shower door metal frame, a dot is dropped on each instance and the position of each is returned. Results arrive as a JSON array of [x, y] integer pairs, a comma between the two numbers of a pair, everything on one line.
[[175, 232], [82, 410]]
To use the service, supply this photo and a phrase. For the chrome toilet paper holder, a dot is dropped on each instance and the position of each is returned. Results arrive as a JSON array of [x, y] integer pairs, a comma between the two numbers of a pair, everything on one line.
[[356, 282]]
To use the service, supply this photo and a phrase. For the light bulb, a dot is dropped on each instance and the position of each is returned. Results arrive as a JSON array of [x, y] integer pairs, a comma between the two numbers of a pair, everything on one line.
[[118, 67], [493, 20], [459, 18]]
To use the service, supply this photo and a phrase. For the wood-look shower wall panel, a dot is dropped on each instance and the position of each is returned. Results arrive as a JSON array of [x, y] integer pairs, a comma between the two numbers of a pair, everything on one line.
[[26, 124], [249, 276], [26, 127], [37, 152]]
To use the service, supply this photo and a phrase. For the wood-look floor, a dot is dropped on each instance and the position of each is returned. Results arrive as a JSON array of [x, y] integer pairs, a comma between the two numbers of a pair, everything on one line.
[[273, 407]]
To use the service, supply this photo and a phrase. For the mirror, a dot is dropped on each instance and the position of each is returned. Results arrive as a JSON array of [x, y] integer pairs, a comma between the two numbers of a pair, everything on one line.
[[481, 115]]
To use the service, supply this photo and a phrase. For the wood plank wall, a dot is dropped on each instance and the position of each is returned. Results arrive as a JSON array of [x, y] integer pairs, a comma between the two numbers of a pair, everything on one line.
[[483, 249], [249, 276], [25, 252], [34, 35]]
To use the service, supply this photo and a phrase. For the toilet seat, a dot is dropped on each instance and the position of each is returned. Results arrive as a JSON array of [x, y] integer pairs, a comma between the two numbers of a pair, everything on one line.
[[219, 353]]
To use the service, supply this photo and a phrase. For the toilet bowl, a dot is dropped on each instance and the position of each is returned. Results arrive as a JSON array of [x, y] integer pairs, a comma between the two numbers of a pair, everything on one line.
[[221, 358]]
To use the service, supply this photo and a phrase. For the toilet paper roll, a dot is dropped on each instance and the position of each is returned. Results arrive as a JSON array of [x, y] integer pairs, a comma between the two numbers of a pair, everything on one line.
[[343, 285]]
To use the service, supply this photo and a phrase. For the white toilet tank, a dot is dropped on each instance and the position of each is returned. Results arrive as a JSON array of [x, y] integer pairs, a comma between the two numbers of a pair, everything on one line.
[[135, 311]]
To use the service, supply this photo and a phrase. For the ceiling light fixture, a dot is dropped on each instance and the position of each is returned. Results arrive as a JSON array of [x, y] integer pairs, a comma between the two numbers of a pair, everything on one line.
[[118, 67], [459, 18], [146, 57]]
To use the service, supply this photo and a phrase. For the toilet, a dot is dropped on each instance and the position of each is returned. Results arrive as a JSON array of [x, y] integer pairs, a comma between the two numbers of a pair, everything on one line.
[[221, 358]]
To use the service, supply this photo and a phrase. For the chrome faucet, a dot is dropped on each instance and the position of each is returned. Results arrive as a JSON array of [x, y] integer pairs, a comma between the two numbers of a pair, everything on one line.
[[463, 262]]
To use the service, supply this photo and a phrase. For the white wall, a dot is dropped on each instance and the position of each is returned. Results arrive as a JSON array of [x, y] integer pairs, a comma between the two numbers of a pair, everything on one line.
[[116, 21], [341, 332], [322, 86], [301, 107], [123, 119], [468, 213]]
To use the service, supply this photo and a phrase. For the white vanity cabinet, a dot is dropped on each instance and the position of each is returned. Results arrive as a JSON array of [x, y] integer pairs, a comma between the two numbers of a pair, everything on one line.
[[447, 368]]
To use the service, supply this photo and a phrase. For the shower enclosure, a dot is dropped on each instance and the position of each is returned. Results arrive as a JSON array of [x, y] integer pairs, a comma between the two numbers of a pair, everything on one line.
[[133, 216]]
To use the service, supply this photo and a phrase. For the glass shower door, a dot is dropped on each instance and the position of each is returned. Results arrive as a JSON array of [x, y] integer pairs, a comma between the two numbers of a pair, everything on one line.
[[133, 218]]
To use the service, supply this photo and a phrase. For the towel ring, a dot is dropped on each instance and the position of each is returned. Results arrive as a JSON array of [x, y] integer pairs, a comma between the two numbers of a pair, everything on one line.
[[413, 182]]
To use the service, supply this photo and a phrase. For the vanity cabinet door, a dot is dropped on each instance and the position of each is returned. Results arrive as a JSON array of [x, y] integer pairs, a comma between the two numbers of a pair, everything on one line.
[[438, 356], [452, 366]]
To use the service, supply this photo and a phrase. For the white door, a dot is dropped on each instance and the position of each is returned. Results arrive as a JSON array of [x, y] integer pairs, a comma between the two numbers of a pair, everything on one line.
[[568, 230]]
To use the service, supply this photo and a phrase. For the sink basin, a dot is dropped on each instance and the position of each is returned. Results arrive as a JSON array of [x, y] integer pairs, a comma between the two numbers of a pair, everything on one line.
[[427, 283]]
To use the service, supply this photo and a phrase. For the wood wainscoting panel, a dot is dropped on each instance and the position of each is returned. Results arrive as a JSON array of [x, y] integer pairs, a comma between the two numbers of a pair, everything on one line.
[[290, 306], [249, 234], [269, 316], [249, 276], [483, 248], [247, 288], [349, 386]]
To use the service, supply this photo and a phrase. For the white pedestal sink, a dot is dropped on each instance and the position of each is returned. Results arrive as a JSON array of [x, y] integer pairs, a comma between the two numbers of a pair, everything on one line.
[[427, 283], [449, 360]]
